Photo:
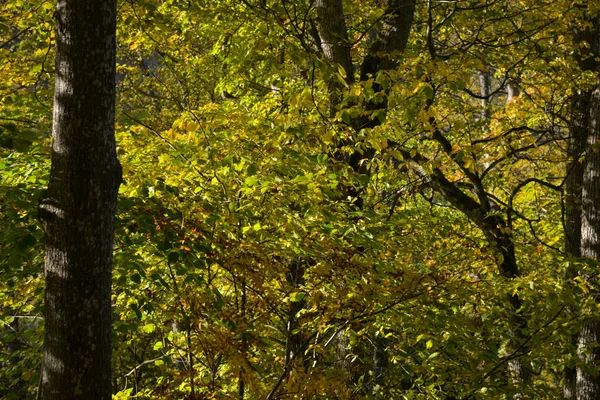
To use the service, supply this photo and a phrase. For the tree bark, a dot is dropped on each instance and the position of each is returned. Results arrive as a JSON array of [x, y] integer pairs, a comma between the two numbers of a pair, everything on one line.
[[484, 91], [392, 38], [588, 380], [578, 129], [512, 89], [581, 221], [78, 210], [334, 35]]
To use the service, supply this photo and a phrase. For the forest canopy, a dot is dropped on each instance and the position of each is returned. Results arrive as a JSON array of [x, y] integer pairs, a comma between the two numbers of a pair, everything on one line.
[[338, 199]]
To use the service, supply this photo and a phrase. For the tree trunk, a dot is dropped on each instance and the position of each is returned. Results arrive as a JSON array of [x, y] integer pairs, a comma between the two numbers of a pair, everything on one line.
[[493, 227], [588, 382], [578, 129], [484, 91], [582, 192], [334, 36], [513, 91], [573, 185], [392, 37], [78, 210]]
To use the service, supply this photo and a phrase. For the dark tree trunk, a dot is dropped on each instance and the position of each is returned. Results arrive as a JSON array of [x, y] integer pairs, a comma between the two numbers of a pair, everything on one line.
[[581, 215], [573, 184], [493, 227], [578, 129], [334, 35], [588, 380], [78, 210], [391, 38]]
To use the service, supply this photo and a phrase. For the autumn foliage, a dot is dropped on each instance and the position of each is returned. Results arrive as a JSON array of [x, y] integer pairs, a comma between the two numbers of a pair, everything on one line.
[[290, 228]]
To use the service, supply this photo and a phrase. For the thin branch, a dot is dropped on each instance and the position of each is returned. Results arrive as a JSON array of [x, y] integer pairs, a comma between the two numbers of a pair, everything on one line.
[[15, 36], [161, 137], [520, 186], [134, 370]]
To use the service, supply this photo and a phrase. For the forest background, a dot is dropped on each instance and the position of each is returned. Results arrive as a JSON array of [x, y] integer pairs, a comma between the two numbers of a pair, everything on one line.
[[327, 199]]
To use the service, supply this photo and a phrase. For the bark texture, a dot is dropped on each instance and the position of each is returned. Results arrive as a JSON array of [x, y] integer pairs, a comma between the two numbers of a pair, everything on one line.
[[578, 129], [582, 224], [484, 91], [588, 379], [334, 35], [78, 210], [391, 40]]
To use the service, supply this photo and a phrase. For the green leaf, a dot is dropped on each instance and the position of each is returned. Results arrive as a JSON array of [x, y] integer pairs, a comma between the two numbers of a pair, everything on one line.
[[428, 90], [251, 170], [251, 180], [296, 297], [346, 117]]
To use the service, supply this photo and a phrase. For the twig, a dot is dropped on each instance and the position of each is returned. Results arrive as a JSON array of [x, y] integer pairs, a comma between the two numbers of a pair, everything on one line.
[[142, 364]]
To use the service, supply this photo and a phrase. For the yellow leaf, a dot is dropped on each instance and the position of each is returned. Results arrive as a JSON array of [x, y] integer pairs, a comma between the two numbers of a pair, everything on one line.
[[192, 126], [327, 137], [469, 163], [294, 101]]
